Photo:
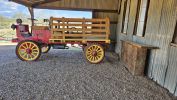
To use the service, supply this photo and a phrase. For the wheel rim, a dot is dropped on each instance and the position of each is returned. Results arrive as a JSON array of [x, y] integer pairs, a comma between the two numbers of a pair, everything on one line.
[[28, 51], [94, 53], [45, 48]]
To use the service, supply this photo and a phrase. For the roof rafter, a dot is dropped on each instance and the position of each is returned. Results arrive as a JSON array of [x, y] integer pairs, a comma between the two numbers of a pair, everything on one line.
[[93, 5], [43, 2], [22, 2]]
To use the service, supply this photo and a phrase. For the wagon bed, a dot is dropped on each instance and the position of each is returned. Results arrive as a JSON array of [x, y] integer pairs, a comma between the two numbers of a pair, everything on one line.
[[91, 34], [64, 30]]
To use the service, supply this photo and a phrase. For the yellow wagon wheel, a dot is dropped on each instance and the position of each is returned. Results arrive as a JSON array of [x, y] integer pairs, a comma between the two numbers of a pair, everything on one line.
[[94, 53], [28, 51], [45, 48]]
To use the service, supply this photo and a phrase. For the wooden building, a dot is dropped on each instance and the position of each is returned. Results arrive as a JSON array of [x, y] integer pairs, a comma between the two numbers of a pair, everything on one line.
[[148, 23]]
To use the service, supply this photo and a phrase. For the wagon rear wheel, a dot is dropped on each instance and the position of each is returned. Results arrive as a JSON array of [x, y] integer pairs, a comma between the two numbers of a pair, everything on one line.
[[28, 51], [94, 53], [45, 48]]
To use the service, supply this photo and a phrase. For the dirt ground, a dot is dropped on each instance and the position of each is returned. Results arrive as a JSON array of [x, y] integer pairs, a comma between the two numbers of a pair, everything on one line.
[[66, 75]]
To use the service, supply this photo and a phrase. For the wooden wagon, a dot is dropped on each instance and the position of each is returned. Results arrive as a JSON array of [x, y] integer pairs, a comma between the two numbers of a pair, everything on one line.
[[91, 34]]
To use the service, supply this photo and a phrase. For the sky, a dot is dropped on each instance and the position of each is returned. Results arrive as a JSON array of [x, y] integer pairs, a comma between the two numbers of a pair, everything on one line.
[[9, 9]]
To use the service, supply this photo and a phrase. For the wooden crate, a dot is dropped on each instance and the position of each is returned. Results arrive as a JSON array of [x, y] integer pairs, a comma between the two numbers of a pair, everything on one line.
[[134, 56], [79, 30]]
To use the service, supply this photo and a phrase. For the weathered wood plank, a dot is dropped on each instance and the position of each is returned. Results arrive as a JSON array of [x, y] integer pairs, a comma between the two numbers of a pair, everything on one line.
[[134, 57], [82, 5]]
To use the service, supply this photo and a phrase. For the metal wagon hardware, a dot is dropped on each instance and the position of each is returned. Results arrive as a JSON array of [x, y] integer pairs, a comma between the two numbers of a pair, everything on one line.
[[91, 34]]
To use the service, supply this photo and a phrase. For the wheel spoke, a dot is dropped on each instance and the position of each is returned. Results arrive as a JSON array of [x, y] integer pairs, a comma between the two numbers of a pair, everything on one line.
[[24, 47], [93, 58], [33, 54], [90, 49], [33, 47], [89, 52], [99, 50], [25, 55], [35, 50], [99, 53], [22, 53], [96, 48], [30, 45]]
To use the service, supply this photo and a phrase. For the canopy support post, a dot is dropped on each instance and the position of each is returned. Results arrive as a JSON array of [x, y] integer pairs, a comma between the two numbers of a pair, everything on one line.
[[32, 15]]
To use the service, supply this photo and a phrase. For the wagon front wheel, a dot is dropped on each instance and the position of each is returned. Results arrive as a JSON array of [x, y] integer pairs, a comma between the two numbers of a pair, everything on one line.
[[94, 53], [28, 51]]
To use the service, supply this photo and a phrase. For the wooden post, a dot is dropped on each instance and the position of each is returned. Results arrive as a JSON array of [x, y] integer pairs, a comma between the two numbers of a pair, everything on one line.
[[51, 27], [32, 15], [107, 28], [63, 31], [83, 30]]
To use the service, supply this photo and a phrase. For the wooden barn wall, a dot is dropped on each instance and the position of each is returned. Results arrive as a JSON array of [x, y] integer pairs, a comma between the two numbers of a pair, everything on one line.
[[162, 63]]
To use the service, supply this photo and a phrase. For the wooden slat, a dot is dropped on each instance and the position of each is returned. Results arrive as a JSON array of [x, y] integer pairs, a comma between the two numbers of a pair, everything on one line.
[[77, 29], [107, 28], [95, 25], [78, 19], [81, 35], [83, 40]]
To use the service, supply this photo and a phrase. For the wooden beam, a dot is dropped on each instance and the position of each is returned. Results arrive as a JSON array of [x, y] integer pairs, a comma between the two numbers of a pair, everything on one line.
[[81, 5], [104, 5], [32, 15], [22, 2], [76, 9], [42, 2], [105, 11]]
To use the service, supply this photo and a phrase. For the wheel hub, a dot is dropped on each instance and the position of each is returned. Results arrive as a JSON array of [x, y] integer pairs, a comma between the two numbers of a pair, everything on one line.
[[94, 53], [28, 51]]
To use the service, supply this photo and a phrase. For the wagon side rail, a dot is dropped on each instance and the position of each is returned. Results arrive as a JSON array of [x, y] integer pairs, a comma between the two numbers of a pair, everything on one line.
[[81, 30]]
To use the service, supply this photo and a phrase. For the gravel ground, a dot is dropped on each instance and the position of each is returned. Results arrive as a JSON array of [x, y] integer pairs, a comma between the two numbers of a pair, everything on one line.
[[66, 75]]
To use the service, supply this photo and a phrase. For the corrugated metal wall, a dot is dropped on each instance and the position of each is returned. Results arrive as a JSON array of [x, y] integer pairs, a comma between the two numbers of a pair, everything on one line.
[[171, 75], [162, 62]]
